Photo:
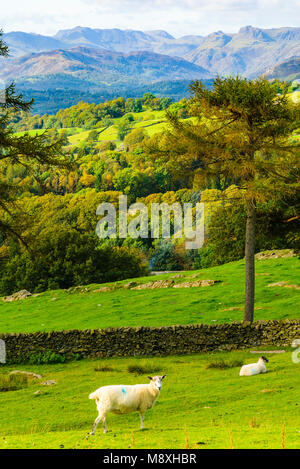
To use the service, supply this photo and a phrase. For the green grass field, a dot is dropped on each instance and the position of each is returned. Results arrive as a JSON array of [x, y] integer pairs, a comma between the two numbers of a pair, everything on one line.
[[151, 121], [197, 408], [222, 302]]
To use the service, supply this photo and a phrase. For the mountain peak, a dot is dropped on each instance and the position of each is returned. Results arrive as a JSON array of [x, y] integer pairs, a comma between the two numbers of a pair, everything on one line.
[[159, 33], [251, 33], [217, 39]]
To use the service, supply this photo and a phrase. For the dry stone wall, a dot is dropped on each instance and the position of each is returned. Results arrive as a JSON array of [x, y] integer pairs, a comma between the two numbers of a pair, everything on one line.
[[151, 341]]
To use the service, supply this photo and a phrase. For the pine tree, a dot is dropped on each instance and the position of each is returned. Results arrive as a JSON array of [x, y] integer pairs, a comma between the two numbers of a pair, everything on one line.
[[242, 132]]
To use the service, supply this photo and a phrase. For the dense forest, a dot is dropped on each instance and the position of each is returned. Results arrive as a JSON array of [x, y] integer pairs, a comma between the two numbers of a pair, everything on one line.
[[58, 96]]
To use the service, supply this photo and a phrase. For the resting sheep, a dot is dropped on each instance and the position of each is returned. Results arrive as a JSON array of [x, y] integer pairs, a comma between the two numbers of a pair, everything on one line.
[[123, 399], [254, 368]]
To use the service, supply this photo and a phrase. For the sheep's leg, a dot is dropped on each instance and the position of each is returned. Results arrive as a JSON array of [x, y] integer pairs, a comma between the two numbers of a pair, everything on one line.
[[104, 424], [98, 419], [142, 421]]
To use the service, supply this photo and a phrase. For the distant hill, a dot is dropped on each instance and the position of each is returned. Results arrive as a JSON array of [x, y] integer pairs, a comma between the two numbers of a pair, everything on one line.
[[61, 78], [288, 70], [24, 43], [101, 66], [249, 52]]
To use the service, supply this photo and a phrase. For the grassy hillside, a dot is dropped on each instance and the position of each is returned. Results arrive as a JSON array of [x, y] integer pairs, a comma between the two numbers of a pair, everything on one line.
[[210, 407], [150, 121], [222, 302]]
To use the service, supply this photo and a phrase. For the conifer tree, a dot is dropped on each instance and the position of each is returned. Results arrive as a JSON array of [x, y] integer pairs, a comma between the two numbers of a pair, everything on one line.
[[242, 132]]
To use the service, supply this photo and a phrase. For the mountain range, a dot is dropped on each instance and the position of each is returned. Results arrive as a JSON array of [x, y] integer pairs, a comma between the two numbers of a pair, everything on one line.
[[98, 66], [85, 58], [249, 52], [117, 40]]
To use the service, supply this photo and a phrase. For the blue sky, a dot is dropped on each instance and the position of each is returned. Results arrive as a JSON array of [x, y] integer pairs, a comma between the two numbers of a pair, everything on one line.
[[178, 17]]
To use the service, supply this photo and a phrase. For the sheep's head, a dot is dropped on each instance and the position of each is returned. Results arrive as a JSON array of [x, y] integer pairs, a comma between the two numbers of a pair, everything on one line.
[[264, 359], [156, 381]]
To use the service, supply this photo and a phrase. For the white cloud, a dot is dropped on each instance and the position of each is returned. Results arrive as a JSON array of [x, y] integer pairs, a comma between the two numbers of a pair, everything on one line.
[[178, 17]]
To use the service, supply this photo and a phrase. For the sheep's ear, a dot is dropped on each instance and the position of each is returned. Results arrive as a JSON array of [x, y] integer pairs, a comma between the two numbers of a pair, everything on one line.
[[163, 377], [149, 377]]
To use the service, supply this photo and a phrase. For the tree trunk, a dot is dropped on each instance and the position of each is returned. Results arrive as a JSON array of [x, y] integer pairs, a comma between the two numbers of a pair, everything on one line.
[[249, 259]]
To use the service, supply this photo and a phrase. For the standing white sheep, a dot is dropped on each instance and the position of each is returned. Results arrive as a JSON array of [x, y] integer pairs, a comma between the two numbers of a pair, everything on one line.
[[254, 368], [123, 399]]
